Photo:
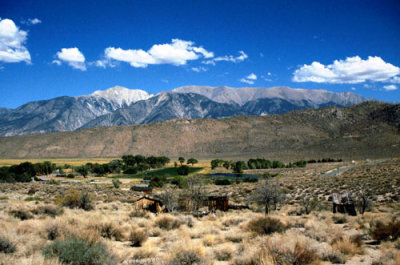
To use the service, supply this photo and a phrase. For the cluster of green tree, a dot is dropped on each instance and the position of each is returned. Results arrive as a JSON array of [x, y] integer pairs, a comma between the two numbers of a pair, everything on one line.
[[129, 164], [24, 172], [324, 160], [258, 163]]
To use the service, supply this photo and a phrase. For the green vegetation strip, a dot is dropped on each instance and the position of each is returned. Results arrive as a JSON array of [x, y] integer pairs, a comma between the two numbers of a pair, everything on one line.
[[167, 172]]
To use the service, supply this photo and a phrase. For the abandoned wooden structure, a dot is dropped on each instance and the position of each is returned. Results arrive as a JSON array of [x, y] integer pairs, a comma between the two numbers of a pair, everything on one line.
[[343, 203], [146, 203], [218, 203], [145, 189]]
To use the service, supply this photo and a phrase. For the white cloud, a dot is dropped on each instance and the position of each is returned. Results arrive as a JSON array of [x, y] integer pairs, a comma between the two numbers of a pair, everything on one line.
[[31, 21], [353, 70], [12, 41], [353, 88], [178, 52], [73, 57], [252, 76], [35, 21], [57, 62], [199, 69], [244, 80], [228, 58], [390, 87], [249, 79]]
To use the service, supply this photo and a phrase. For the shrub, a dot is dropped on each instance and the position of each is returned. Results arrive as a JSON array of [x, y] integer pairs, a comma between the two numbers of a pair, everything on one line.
[[385, 231], [137, 237], [300, 255], [223, 182], [265, 226], [77, 251], [116, 183], [53, 182], [183, 170], [49, 210], [77, 199], [167, 223], [21, 214], [70, 176], [6, 246]]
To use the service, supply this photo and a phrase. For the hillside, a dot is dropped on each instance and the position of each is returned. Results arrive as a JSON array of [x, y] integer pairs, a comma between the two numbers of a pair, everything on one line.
[[367, 130]]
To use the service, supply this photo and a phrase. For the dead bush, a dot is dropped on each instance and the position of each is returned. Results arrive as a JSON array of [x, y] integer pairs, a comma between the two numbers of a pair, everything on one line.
[[186, 257], [108, 230], [339, 219], [265, 226]]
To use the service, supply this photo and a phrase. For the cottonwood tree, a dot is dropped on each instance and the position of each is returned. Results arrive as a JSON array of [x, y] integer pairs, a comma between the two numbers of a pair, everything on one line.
[[169, 197], [195, 193], [192, 161], [268, 193], [181, 160]]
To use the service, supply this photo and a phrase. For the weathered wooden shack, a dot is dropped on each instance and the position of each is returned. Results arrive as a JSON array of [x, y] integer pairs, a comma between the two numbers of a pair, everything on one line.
[[343, 203], [218, 203], [146, 203]]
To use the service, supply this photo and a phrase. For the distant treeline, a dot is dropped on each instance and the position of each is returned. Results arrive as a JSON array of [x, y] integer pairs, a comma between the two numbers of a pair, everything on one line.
[[254, 163], [24, 172], [128, 164], [324, 160]]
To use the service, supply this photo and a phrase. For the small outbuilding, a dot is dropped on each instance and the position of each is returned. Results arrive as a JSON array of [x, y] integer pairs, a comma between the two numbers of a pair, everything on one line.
[[146, 203], [218, 203], [145, 189]]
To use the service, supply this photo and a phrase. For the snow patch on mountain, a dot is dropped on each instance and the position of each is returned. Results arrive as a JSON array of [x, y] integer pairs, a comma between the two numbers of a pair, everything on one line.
[[121, 95]]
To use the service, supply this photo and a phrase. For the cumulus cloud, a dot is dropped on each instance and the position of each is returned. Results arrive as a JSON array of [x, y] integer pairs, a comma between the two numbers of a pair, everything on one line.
[[73, 57], [178, 52], [390, 87], [250, 79], [228, 58], [352, 70], [12, 43]]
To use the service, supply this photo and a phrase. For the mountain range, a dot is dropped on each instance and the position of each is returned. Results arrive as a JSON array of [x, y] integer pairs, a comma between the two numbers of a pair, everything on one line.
[[367, 130], [123, 106]]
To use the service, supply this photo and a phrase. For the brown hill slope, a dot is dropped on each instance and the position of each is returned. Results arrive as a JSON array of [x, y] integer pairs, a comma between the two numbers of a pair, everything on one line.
[[367, 130]]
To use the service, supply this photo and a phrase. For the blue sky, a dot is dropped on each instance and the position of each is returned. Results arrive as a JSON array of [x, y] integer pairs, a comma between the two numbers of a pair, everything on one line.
[[55, 48]]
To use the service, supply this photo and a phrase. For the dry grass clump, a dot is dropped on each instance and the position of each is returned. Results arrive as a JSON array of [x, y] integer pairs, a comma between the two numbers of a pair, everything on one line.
[[6, 246], [266, 226], [50, 210], [339, 219], [21, 214], [167, 222], [224, 252], [349, 246], [300, 254], [385, 231], [109, 230], [137, 237]]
